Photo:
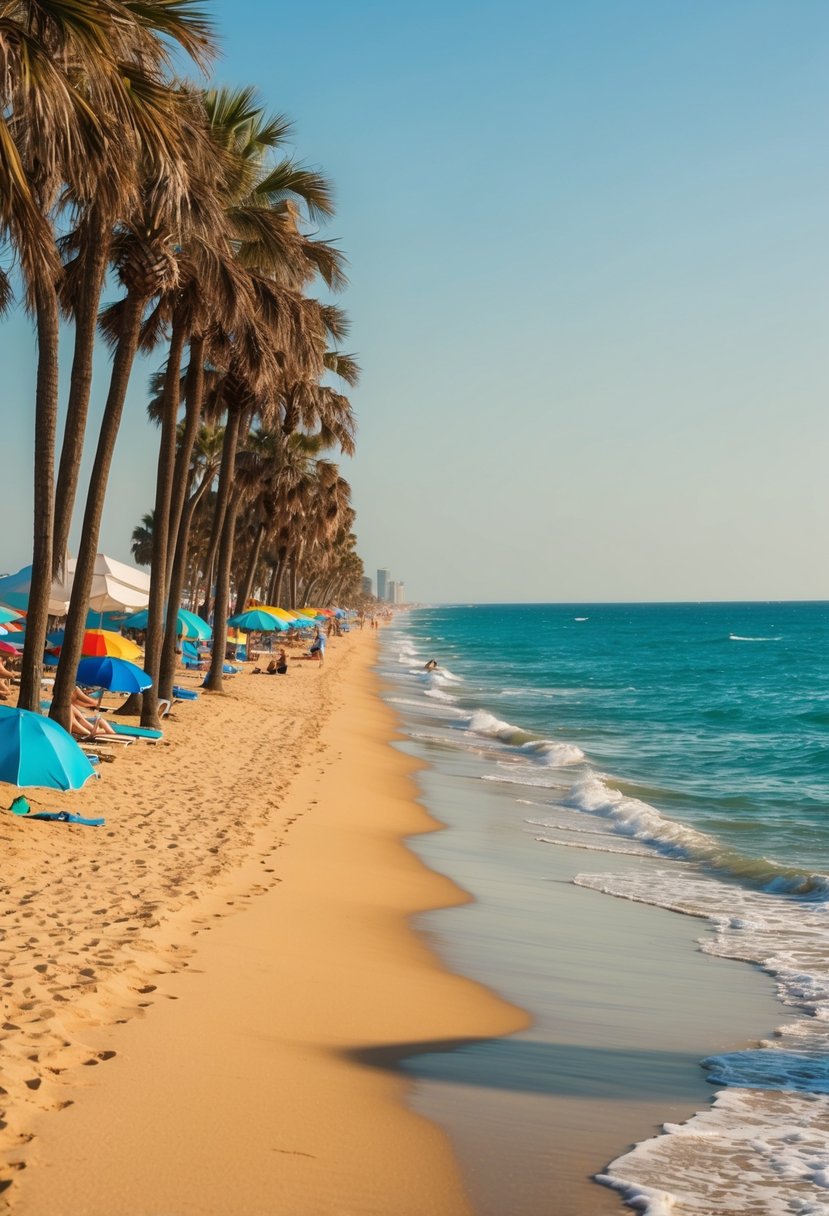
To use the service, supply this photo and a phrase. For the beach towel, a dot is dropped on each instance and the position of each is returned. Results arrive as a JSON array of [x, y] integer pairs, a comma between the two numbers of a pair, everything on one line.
[[20, 806]]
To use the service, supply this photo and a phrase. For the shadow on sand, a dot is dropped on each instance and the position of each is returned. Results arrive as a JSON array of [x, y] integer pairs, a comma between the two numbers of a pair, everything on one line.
[[527, 1066]]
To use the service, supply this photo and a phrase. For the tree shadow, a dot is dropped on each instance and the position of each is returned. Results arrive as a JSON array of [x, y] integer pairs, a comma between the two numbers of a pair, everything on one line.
[[527, 1066]]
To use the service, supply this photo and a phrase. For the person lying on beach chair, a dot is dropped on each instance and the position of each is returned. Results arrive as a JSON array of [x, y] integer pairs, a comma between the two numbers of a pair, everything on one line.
[[6, 676], [88, 728], [79, 697]]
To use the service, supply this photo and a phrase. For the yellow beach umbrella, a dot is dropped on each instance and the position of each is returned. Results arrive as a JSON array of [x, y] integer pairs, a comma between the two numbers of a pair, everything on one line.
[[281, 613]]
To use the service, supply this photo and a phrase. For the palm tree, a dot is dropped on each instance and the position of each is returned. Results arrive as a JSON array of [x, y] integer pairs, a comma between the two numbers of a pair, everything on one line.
[[213, 291], [145, 254], [142, 540], [71, 73], [46, 132], [140, 129]]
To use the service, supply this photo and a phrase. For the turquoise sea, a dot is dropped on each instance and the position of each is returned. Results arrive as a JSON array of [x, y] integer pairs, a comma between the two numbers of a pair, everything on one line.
[[681, 754]]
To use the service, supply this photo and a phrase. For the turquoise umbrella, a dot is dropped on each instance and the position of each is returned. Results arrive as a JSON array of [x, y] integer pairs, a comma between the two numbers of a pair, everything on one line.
[[258, 620], [8, 614], [188, 624], [37, 751]]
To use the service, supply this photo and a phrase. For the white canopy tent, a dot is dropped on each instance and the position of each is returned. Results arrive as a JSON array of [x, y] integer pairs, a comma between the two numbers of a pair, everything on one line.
[[116, 587]]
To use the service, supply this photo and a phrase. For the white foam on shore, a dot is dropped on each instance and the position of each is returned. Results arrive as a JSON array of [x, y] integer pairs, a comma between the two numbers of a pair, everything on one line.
[[764, 1142]]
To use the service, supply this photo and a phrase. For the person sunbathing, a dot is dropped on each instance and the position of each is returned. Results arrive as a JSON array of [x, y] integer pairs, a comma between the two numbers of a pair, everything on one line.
[[79, 697], [6, 676], [88, 728]]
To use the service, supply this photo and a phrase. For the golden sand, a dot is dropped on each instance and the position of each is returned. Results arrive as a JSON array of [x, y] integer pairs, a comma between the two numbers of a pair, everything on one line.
[[191, 986]]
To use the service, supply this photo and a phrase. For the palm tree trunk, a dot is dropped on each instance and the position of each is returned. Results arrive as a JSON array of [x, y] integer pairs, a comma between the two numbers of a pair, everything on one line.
[[293, 581], [167, 673], [215, 677], [46, 421], [85, 567], [230, 442], [193, 398], [96, 252], [276, 586], [161, 527], [243, 594], [272, 584], [309, 589]]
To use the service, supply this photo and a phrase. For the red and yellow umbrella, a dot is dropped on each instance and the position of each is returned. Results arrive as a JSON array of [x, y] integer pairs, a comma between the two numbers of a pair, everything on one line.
[[114, 645]]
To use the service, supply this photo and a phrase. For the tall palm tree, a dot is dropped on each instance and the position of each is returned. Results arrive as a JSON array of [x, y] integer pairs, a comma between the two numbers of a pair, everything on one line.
[[46, 130], [139, 129], [212, 292], [71, 71], [145, 255]]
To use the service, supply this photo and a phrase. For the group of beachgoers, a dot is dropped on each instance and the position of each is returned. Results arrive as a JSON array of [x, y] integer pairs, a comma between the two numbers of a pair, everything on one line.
[[278, 665], [88, 722]]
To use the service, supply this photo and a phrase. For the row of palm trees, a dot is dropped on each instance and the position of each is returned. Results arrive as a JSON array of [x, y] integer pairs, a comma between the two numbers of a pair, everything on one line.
[[115, 170]]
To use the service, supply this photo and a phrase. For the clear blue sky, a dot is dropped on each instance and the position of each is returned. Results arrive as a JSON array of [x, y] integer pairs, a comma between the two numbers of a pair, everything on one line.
[[589, 272]]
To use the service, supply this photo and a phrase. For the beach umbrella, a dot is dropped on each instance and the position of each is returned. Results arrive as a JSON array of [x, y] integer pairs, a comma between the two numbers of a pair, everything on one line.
[[101, 642], [37, 751], [257, 619], [8, 614], [188, 624], [7, 648], [116, 675], [195, 626], [104, 642], [116, 587], [15, 588], [292, 619]]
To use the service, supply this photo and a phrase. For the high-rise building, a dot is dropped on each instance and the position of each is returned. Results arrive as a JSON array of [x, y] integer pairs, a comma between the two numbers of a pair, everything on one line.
[[399, 592], [365, 585], [391, 591], [382, 581]]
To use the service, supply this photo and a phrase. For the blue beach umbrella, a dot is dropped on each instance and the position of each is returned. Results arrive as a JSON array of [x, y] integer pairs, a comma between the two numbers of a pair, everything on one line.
[[8, 614], [258, 620], [35, 751], [116, 675]]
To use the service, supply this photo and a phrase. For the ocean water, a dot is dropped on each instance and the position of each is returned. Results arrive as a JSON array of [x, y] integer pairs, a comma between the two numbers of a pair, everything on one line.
[[682, 752]]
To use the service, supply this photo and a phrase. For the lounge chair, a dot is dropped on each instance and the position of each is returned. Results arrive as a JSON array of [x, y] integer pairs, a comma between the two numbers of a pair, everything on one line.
[[135, 732], [185, 694]]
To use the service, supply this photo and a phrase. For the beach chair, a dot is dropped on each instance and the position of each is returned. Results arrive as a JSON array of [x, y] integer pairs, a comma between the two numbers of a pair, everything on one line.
[[185, 694], [136, 732]]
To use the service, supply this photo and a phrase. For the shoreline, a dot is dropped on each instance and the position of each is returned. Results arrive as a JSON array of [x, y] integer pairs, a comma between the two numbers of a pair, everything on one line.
[[245, 1088], [624, 1004]]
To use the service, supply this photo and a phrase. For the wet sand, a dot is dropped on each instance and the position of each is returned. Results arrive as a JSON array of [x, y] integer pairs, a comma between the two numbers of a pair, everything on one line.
[[624, 1008]]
